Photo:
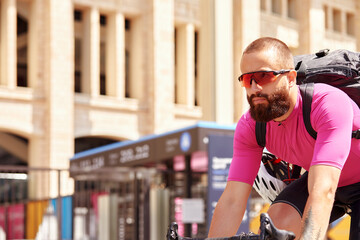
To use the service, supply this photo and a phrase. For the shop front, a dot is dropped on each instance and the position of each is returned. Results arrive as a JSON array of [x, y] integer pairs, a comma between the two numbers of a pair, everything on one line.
[[134, 189]]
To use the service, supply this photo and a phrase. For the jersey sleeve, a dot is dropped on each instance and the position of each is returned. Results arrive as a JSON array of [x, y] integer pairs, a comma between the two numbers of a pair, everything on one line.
[[332, 119], [246, 152]]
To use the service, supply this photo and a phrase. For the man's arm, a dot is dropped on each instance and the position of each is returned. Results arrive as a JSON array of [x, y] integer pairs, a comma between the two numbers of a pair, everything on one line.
[[322, 185], [230, 210]]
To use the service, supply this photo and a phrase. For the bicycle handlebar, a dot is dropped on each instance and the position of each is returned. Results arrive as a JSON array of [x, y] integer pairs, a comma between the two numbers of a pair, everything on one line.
[[267, 232]]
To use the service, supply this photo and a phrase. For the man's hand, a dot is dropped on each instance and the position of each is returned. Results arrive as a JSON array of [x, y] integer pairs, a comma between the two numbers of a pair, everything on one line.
[[230, 210], [322, 185]]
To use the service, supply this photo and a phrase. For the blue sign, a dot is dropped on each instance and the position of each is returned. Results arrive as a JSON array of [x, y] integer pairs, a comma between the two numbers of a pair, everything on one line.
[[220, 151], [66, 216], [185, 141]]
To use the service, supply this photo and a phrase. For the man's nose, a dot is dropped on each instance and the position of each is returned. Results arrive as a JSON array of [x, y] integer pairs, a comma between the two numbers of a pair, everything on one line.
[[254, 86]]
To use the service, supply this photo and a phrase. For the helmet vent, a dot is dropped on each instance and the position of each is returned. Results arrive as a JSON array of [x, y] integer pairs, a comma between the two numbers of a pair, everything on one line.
[[264, 183], [257, 185], [272, 185]]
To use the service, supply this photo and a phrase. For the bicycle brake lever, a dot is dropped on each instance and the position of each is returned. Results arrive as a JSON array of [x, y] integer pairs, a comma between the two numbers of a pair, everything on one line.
[[269, 232], [172, 233]]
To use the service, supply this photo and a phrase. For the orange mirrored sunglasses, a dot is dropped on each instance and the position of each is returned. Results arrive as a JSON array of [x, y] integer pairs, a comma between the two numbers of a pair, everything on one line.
[[260, 77]]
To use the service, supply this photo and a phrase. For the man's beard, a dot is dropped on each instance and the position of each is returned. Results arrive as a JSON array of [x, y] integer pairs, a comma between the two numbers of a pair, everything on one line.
[[278, 105]]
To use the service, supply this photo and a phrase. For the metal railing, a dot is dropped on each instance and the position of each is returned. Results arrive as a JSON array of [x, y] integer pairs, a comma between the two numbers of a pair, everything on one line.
[[32, 203]]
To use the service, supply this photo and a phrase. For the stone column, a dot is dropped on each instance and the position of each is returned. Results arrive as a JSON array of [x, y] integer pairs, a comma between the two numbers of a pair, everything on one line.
[[185, 69], [8, 49], [284, 8], [330, 19], [90, 79], [34, 43], [224, 91], [206, 65], [244, 34], [216, 77], [343, 22], [159, 65], [59, 81], [267, 6], [115, 56], [311, 25], [38, 153]]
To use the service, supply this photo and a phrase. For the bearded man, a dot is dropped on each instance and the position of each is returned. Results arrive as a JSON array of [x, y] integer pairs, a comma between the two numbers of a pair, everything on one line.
[[306, 206]]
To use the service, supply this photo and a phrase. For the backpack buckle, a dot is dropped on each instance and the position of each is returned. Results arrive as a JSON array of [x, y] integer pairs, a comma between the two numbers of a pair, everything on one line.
[[356, 134], [322, 53]]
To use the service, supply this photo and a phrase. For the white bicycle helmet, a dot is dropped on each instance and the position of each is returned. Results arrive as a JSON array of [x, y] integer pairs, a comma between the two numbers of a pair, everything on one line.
[[267, 186], [272, 178]]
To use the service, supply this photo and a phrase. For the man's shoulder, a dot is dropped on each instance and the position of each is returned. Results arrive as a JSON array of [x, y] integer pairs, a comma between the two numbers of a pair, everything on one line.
[[329, 101], [246, 122], [330, 94], [246, 118], [245, 132], [321, 89]]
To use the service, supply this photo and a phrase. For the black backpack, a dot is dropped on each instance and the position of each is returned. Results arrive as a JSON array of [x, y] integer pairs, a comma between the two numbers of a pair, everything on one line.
[[339, 68]]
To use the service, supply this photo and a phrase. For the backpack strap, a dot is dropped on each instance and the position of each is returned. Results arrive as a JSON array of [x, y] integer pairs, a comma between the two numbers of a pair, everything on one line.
[[260, 133], [356, 134], [307, 91]]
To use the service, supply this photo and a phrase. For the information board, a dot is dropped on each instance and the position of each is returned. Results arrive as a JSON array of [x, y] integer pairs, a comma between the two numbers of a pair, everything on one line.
[[220, 151]]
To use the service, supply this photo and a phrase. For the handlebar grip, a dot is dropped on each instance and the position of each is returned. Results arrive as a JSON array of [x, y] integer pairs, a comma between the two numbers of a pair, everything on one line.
[[268, 231], [172, 233]]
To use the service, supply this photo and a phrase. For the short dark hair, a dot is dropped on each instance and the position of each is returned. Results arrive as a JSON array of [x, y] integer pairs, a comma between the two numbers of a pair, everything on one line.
[[284, 56]]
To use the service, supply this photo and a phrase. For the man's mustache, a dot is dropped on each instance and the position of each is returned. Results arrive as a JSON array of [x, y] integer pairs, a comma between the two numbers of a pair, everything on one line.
[[264, 95]]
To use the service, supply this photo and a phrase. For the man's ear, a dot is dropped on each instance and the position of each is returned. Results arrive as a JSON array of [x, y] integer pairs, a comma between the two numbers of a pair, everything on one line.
[[292, 78]]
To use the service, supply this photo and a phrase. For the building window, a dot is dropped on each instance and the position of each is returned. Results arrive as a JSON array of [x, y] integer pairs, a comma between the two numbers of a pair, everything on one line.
[[196, 67], [291, 9], [350, 24], [128, 93], [337, 20], [77, 57], [276, 6], [102, 20], [102, 68], [127, 25], [103, 29], [22, 46], [176, 68], [127, 69], [77, 50], [77, 16], [102, 84]]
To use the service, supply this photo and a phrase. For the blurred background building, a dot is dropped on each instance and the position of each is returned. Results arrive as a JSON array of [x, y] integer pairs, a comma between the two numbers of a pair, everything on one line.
[[79, 74]]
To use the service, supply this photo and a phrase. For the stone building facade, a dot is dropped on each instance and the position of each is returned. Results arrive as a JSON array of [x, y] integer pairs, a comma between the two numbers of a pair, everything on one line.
[[81, 73]]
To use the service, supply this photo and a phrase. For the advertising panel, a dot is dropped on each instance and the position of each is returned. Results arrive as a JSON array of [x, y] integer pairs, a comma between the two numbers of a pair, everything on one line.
[[220, 151], [16, 228]]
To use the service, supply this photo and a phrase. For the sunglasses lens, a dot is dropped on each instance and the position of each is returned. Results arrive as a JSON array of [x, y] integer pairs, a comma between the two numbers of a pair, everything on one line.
[[264, 77], [246, 80], [260, 78]]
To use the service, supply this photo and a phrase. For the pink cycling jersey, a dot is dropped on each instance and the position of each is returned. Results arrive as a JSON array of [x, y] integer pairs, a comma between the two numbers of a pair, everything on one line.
[[333, 116]]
